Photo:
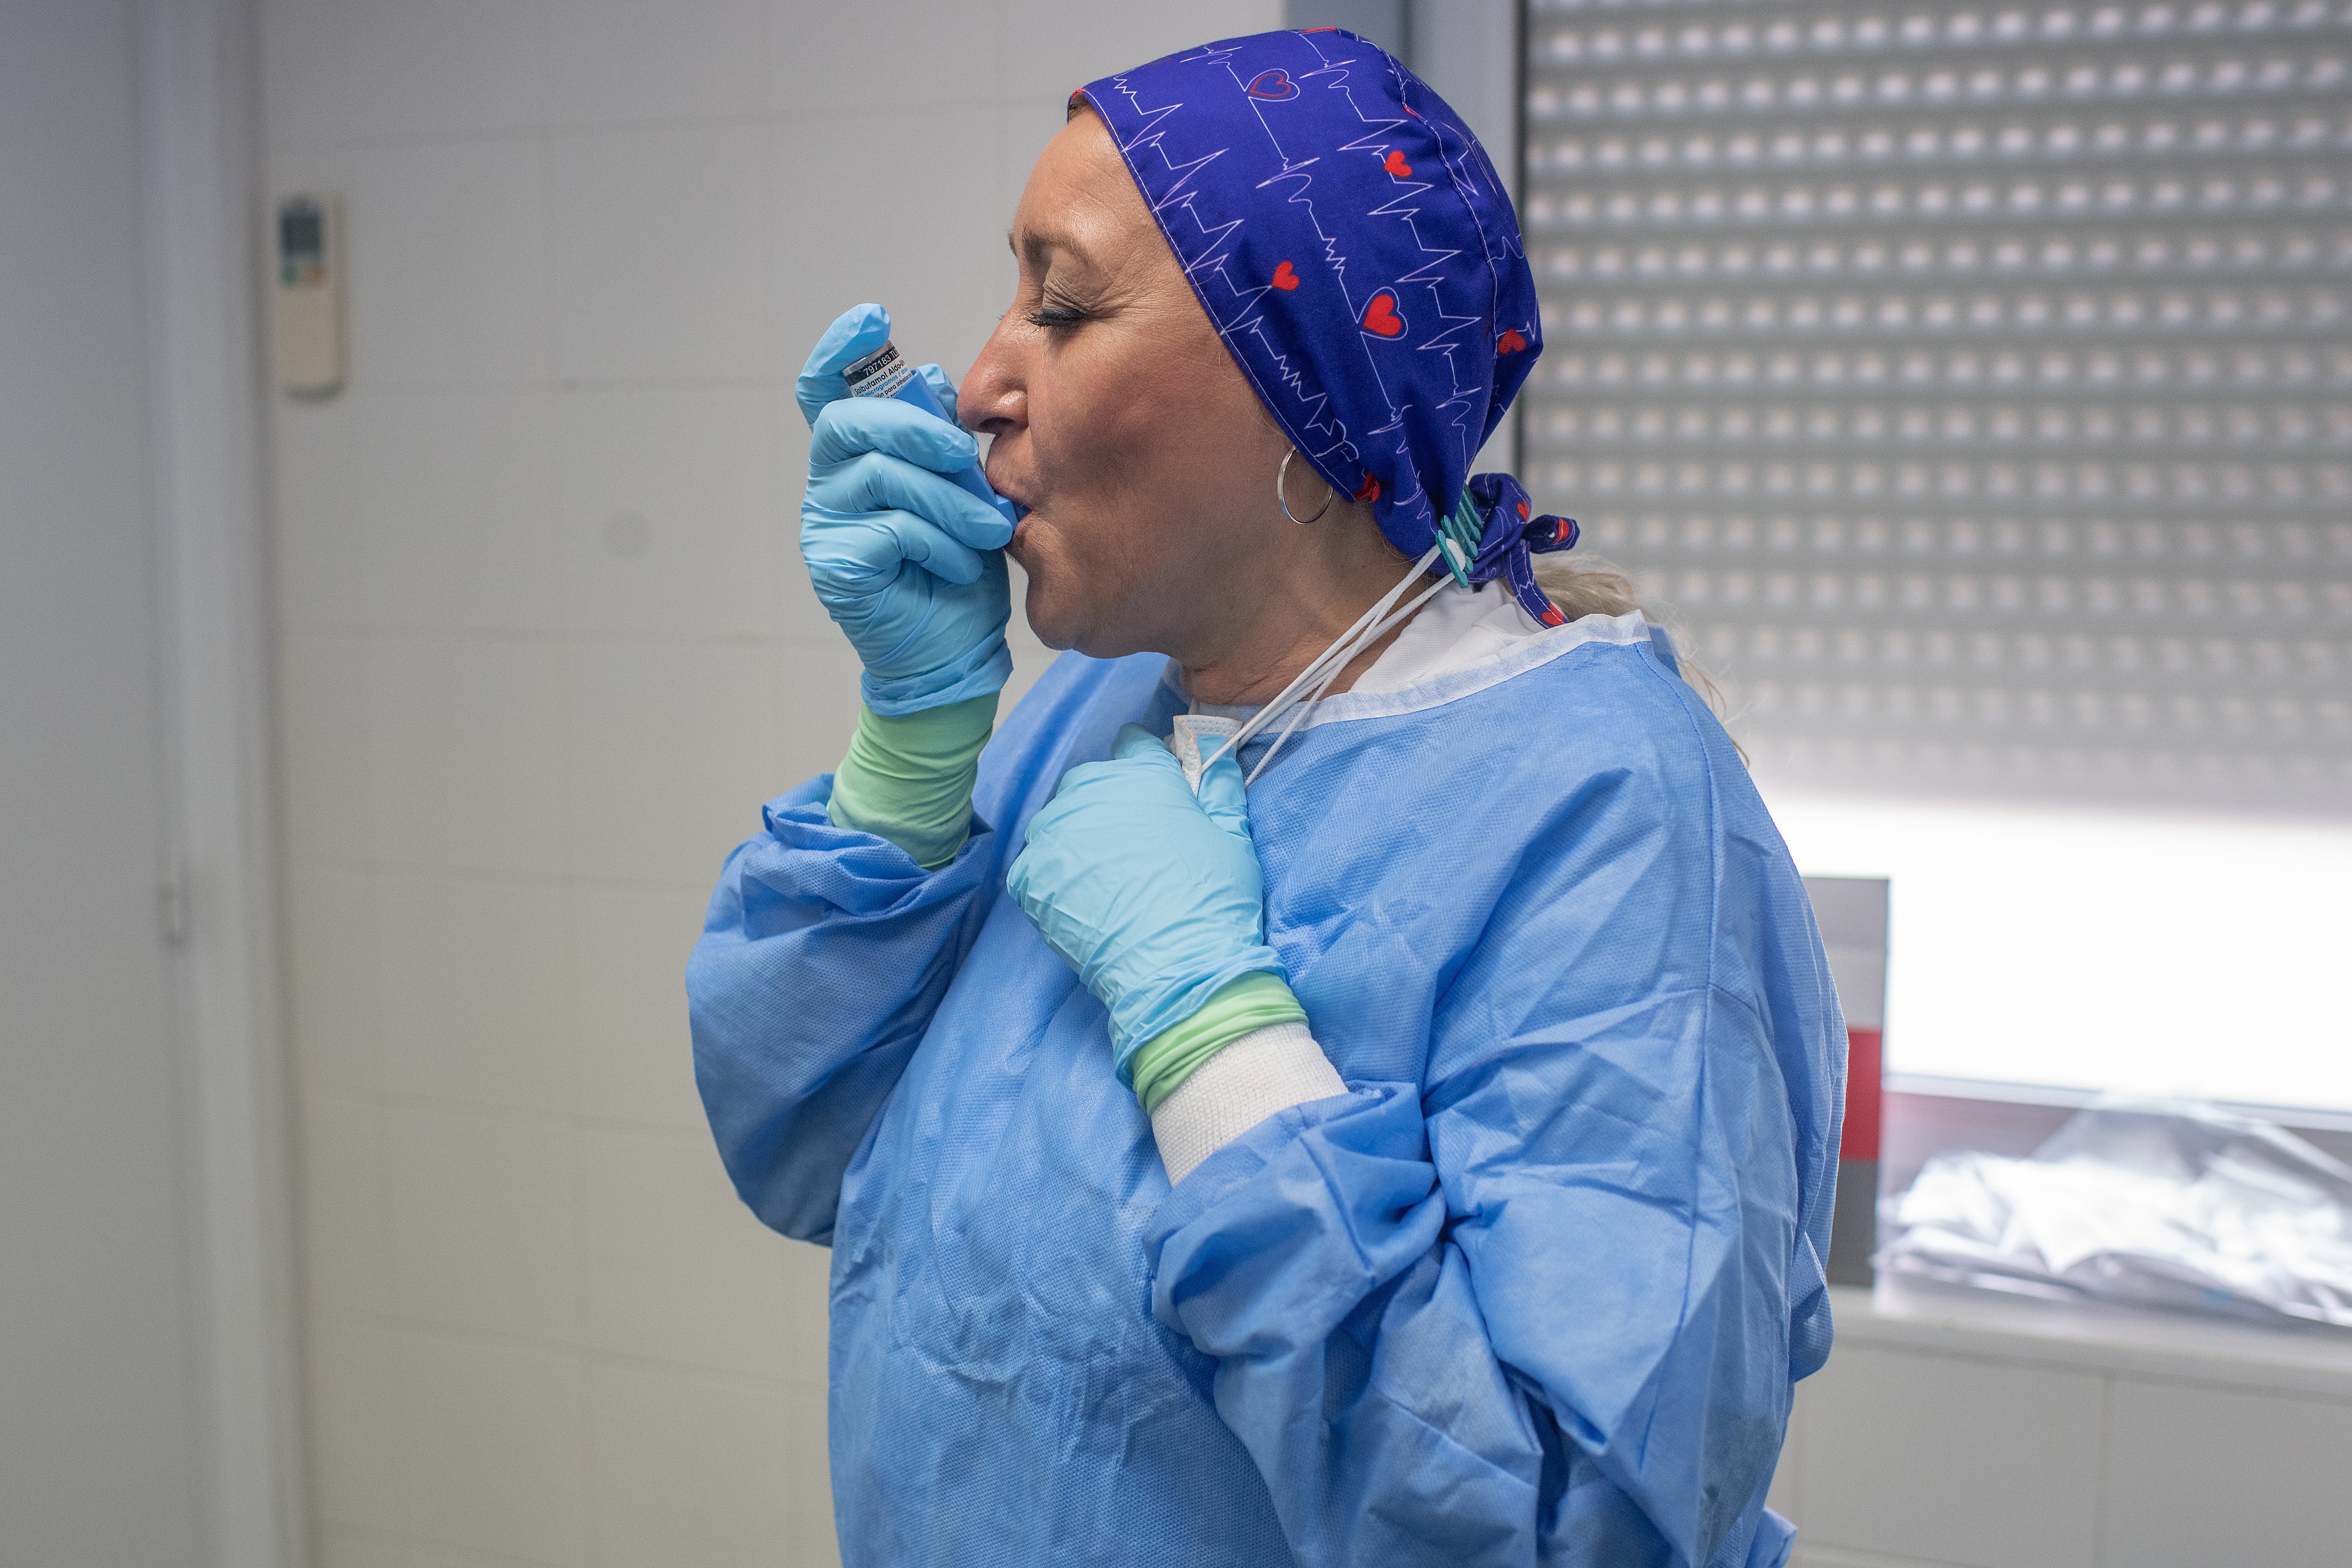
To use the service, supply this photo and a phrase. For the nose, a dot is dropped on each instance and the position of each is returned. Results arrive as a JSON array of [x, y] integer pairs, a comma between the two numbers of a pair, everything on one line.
[[995, 399]]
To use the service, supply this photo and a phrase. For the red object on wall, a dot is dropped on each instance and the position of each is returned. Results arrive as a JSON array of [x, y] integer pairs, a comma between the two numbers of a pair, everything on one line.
[[1860, 1141]]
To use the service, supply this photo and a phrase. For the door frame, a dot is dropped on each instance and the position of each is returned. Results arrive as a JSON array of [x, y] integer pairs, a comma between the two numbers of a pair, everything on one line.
[[218, 890]]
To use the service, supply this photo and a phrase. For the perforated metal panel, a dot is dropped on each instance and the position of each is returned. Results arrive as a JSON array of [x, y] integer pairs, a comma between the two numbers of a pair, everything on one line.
[[1971, 384]]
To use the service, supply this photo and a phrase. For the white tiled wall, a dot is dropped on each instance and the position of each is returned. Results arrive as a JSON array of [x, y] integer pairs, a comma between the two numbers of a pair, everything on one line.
[[546, 648]]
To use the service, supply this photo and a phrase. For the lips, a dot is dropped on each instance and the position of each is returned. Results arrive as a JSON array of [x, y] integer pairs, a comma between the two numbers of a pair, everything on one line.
[[1004, 485]]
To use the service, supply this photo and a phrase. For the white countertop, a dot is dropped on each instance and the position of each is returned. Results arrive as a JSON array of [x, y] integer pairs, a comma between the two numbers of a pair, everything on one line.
[[1921, 1316]]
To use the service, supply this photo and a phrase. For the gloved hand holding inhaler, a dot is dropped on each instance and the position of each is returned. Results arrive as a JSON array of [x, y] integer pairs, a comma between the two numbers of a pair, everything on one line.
[[904, 542]]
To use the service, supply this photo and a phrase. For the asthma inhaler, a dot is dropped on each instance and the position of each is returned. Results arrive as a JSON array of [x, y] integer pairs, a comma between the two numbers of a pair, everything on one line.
[[883, 374]]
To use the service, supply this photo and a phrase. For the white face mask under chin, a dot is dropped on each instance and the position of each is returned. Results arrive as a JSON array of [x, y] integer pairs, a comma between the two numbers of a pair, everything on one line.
[[1195, 743], [1299, 698]]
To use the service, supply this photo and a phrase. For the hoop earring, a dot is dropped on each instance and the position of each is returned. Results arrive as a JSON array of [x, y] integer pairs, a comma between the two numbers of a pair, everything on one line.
[[1284, 501]]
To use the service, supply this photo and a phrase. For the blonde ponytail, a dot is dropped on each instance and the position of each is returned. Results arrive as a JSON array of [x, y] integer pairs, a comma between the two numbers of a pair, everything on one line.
[[1597, 588]]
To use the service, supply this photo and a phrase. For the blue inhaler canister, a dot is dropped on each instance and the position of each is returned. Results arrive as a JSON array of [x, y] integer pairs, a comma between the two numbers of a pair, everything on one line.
[[883, 374]]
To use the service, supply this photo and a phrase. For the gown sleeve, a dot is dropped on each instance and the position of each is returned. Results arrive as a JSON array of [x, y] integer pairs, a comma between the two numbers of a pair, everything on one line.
[[1548, 1305], [823, 955]]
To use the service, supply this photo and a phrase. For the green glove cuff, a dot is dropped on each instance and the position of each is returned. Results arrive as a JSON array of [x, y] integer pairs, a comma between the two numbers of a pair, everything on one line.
[[908, 779], [1256, 1001]]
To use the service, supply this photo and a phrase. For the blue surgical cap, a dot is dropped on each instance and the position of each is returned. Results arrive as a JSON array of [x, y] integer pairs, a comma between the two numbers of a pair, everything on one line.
[[1357, 252]]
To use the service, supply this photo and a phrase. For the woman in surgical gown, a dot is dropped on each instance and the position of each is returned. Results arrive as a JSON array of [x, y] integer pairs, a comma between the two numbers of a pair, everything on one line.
[[1346, 1072]]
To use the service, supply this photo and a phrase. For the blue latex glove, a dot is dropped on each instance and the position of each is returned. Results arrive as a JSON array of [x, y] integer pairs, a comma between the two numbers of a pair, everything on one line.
[[907, 564], [1154, 897], [855, 333]]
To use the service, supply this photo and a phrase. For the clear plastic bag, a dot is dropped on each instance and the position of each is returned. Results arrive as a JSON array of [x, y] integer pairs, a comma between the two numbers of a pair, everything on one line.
[[2155, 1202]]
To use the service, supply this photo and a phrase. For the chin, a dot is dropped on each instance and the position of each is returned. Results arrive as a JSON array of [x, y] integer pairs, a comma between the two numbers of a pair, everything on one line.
[[1048, 619], [1061, 610], [1060, 621], [1048, 601]]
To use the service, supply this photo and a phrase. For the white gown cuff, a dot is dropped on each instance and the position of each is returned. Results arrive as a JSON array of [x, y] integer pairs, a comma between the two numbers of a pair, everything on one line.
[[1265, 1071]]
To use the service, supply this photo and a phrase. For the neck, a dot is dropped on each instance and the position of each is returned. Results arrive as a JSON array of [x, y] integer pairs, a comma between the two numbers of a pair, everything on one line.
[[1331, 579]]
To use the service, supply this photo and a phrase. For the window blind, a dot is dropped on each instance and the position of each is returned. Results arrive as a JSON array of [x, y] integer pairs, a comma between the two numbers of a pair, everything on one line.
[[1970, 385]]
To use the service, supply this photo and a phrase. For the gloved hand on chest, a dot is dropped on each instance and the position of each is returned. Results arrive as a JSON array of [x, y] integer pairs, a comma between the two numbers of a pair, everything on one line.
[[1155, 896]]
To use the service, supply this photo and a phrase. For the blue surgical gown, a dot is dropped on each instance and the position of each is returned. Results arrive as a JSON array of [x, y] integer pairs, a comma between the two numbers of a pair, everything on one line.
[[1534, 1290]]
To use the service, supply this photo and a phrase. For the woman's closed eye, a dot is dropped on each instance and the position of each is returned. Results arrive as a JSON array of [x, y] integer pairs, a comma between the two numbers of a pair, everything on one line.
[[1059, 313]]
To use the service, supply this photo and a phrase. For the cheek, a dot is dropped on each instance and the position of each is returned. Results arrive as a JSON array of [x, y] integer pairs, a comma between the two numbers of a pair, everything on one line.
[[1094, 429], [1142, 447], [1109, 482], [1145, 450]]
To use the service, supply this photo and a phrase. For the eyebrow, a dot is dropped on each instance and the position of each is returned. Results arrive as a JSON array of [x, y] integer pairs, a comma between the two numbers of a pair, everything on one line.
[[1032, 246]]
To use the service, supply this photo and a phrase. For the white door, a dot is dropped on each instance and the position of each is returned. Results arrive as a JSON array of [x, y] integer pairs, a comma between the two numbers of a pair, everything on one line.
[[97, 1434]]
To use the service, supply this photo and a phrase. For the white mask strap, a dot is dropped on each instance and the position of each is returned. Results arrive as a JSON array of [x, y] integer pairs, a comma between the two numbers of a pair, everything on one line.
[[1348, 643], [1376, 632]]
